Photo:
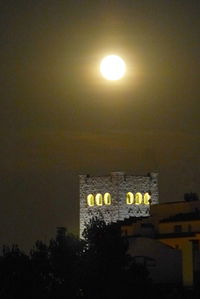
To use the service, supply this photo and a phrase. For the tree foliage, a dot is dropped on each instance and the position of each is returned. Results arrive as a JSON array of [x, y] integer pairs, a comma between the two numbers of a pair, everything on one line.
[[111, 272], [15, 273], [96, 267]]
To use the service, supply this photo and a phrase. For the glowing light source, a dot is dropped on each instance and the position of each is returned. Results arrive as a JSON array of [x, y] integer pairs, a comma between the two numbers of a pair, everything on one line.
[[112, 67], [107, 199], [129, 198], [99, 199], [90, 200], [138, 198], [147, 197]]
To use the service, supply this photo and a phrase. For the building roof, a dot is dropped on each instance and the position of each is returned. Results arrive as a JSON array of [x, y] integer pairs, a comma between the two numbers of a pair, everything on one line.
[[176, 235], [131, 220], [182, 217]]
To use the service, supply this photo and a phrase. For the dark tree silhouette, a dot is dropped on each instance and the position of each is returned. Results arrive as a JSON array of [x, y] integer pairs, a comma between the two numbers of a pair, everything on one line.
[[108, 270], [96, 267], [41, 270], [15, 274], [64, 255]]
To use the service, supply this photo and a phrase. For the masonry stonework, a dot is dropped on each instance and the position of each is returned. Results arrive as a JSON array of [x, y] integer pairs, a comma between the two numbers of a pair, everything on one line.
[[117, 184]]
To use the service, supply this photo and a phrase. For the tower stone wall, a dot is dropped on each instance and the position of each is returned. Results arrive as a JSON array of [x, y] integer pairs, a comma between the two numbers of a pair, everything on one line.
[[117, 184]]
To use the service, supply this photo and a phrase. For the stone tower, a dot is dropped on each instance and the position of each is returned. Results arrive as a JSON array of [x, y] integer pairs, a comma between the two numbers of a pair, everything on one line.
[[116, 196]]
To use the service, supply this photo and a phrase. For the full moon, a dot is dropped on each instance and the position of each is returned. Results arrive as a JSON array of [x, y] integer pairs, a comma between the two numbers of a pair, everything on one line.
[[112, 67]]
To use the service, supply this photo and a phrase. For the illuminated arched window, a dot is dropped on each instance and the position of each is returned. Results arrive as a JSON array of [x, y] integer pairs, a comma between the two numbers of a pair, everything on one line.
[[129, 198], [147, 197], [138, 198], [99, 199], [107, 199], [90, 200]]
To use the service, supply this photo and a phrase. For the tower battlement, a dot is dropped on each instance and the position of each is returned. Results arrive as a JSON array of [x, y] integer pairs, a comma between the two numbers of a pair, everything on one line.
[[116, 196]]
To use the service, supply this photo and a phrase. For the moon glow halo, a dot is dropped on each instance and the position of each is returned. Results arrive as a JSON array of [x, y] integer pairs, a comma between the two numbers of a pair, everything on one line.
[[112, 67]]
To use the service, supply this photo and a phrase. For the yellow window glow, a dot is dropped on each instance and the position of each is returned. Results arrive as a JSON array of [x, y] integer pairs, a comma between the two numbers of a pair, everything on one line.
[[99, 199], [90, 200], [107, 199], [129, 198], [147, 197], [138, 198]]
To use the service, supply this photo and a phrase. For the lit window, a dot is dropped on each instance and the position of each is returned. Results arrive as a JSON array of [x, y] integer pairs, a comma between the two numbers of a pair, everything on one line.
[[90, 200], [138, 198], [129, 198], [99, 199], [107, 199], [147, 197]]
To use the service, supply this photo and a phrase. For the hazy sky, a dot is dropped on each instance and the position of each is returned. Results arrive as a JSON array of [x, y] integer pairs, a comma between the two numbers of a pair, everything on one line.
[[59, 118]]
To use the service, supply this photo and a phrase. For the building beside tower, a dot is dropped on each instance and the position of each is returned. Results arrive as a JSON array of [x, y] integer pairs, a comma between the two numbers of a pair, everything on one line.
[[164, 237], [168, 242], [117, 196]]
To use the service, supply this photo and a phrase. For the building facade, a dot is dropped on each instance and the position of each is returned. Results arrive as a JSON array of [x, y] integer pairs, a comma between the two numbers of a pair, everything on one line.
[[117, 196], [172, 240]]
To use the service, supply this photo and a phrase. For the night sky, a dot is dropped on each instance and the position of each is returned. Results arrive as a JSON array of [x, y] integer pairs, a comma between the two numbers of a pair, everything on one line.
[[60, 118]]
